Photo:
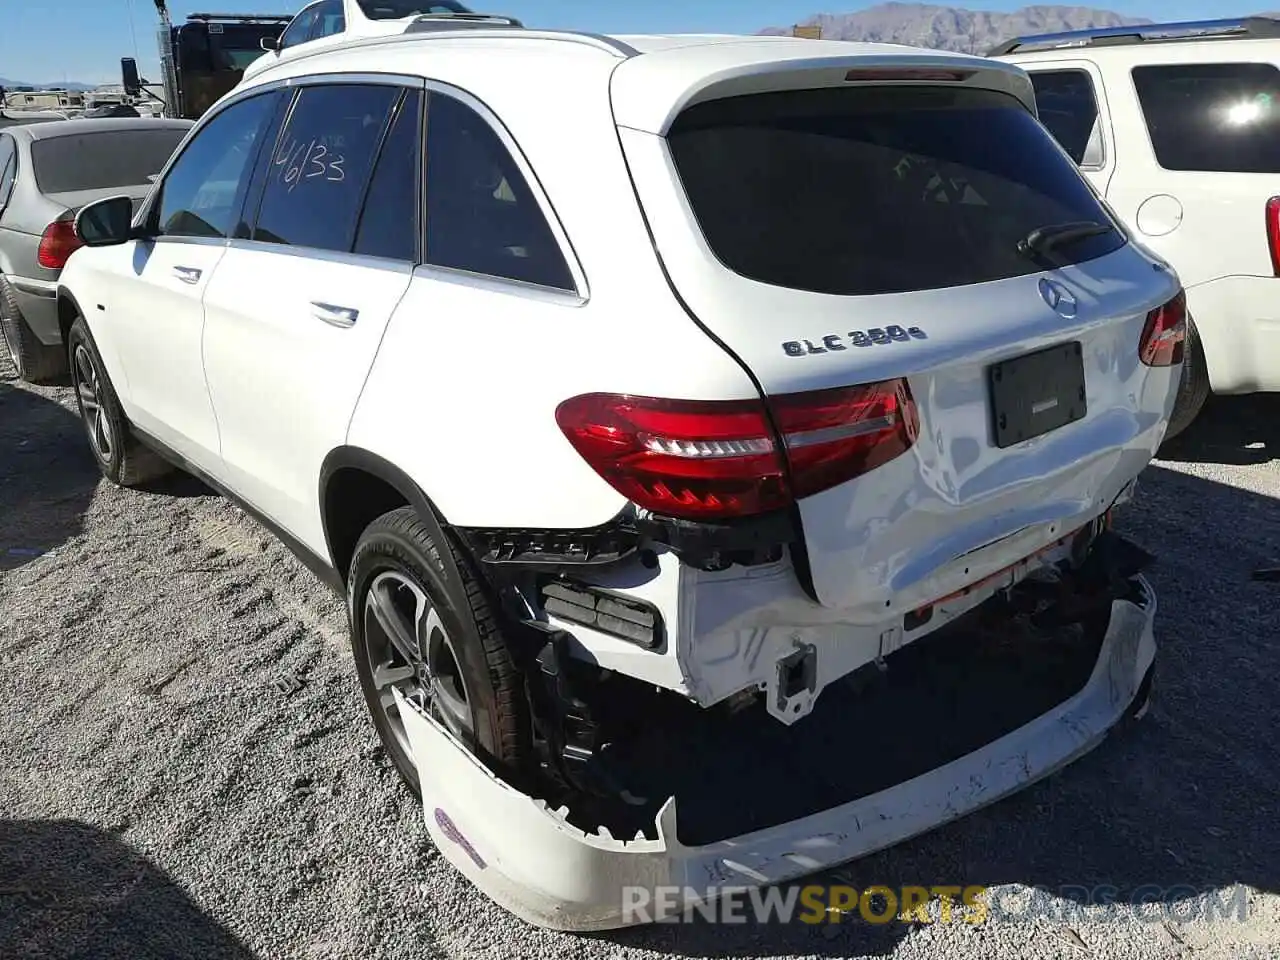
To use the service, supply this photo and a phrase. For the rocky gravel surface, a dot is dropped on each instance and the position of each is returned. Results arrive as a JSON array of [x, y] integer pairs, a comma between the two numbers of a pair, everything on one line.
[[187, 768]]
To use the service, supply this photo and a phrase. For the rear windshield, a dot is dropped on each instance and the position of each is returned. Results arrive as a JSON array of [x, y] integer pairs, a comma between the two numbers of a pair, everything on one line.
[[1220, 117], [103, 160], [398, 9], [879, 189]]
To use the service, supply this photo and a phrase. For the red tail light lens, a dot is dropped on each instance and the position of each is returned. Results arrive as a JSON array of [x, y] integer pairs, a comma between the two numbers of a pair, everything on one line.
[[716, 460], [1273, 233], [1164, 337], [58, 242]]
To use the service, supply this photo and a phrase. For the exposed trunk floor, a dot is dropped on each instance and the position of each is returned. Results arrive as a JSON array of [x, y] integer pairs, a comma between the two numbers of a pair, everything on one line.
[[940, 699]]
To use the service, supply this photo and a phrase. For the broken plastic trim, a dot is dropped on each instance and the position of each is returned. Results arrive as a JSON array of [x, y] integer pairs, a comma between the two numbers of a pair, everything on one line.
[[713, 546], [522, 852], [626, 618]]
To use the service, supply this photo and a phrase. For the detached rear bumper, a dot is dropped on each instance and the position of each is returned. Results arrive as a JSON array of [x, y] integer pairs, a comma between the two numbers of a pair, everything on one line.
[[529, 860]]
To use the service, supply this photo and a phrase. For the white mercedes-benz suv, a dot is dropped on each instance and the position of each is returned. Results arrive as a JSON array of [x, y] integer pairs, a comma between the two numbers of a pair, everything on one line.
[[721, 424]]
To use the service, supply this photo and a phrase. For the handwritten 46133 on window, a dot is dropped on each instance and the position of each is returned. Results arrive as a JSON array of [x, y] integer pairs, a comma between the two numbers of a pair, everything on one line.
[[328, 147], [313, 159]]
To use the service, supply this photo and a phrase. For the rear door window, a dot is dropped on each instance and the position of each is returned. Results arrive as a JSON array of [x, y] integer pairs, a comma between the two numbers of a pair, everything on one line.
[[103, 160], [323, 159], [1216, 117], [874, 190], [1068, 107]]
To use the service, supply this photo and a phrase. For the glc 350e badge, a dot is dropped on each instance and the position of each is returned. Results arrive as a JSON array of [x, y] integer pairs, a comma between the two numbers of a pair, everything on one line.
[[833, 342]]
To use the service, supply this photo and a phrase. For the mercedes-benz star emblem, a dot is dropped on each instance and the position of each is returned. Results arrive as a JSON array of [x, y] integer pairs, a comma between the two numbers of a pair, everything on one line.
[[1058, 298]]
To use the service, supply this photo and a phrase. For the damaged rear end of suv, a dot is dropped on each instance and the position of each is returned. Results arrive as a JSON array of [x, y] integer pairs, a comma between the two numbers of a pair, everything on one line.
[[869, 590]]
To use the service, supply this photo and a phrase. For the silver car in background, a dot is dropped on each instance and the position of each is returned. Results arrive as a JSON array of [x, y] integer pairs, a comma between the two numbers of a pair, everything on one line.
[[48, 171]]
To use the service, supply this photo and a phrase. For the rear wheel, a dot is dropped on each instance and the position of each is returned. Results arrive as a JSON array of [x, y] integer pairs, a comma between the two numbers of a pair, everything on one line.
[[34, 361], [120, 457], [1193, 390], [417, 629]]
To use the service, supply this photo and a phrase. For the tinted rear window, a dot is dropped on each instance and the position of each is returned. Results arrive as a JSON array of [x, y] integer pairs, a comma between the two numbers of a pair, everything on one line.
[[878, 189], [1220, 117], [102, 161]]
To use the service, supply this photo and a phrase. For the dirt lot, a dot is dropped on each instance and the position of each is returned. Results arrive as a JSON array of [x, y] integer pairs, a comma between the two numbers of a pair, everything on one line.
[[188, 770]]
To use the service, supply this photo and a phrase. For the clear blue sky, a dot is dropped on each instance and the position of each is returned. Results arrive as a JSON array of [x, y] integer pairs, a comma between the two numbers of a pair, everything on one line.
[[85, 39]]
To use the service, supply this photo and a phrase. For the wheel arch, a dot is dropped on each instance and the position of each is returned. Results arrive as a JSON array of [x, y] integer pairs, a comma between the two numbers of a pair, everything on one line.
[[356, 487], [68, 310]]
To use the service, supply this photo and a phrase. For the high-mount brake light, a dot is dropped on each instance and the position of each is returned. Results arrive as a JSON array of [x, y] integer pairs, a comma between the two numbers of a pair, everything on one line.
[[718, 459], [1164, 337], [917, 74], [58, 242]]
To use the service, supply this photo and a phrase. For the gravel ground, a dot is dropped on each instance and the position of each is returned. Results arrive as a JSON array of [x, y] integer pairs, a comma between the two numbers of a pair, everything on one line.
[[189, 771]]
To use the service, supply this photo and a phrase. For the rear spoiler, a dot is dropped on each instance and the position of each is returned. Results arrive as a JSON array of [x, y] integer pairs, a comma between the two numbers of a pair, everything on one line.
[[650, 91]]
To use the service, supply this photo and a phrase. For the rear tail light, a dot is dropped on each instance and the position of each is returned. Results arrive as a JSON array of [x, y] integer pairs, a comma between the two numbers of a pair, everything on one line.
[[58, 242], [1273, 233], [1164, 337], [718, 459]]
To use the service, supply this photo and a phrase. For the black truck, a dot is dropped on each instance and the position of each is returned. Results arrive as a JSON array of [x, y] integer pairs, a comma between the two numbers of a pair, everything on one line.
[[204, 57]]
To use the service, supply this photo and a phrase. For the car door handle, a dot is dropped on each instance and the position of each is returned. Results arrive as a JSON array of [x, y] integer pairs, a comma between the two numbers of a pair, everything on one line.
[[334, 315], [188, 274]]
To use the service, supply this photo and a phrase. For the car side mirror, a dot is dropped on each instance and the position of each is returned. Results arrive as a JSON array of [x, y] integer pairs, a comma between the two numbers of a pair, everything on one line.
[[106, 223], [270, 44]]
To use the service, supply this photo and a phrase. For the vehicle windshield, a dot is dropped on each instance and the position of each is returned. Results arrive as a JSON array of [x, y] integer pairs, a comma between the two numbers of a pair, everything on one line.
[[399, 9], [221, 47], [102, 160]]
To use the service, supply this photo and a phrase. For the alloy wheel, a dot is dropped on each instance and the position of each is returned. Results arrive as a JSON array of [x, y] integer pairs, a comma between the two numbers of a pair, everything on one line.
[[89, 389], [409, 649]]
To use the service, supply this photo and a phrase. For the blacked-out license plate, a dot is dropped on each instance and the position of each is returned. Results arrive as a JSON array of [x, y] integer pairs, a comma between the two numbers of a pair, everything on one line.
[[1037, 393]]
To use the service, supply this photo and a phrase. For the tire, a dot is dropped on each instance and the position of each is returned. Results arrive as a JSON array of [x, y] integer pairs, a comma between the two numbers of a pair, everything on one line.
[[1193, 390], [35, 362], [120, 456], [399, 566]]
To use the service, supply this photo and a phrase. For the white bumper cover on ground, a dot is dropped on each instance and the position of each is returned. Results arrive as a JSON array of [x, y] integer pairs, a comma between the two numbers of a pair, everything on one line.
[[529, 860]]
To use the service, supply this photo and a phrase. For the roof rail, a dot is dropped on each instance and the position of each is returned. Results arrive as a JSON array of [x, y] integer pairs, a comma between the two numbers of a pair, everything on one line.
[[1245, 28], [240, 17], [427, 22], [444, 22]]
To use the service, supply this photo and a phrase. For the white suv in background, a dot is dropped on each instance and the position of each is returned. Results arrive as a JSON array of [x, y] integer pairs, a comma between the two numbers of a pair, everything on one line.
[[1178, 127], [637, 457], [327, 23]]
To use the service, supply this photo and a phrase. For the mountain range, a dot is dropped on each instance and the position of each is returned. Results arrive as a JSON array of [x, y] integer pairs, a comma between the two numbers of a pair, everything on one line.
[[955, 28], [53, 84]]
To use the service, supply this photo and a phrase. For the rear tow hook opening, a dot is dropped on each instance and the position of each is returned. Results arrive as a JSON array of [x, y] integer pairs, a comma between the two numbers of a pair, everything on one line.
[[797, 683]]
